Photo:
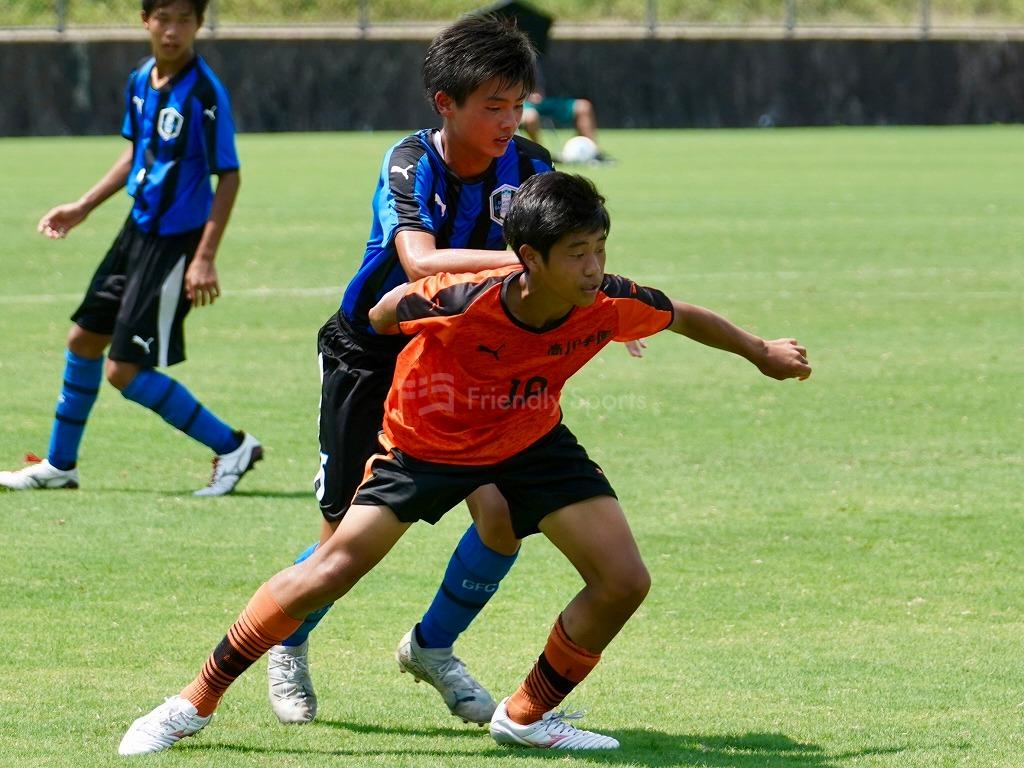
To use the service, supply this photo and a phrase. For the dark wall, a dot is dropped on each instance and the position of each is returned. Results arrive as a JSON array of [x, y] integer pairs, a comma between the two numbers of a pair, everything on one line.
[[304, 85], [735, 83]]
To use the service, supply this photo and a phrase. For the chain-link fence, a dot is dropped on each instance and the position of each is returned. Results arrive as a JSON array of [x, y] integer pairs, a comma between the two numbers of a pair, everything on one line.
[[922, 16]]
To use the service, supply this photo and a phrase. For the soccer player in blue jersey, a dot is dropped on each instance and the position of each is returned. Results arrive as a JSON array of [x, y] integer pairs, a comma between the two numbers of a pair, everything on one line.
[[440, 202], [178, 118]]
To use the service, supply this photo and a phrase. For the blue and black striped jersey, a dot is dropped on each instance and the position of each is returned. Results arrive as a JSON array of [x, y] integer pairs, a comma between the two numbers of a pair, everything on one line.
[[182, 133], [417, 191]]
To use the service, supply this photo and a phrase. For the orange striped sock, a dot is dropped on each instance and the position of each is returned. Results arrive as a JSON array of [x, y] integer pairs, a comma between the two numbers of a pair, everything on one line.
[[260, 626], [561, 667]]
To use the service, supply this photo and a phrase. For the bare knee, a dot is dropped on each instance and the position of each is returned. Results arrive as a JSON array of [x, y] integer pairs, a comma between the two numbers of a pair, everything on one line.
[[336, 573], [85, 343], [120, 374], [531, 124], [583, 108], [496, 533], [493, 521], [586, 121], [315, 582], [626, 589], [327, 529]]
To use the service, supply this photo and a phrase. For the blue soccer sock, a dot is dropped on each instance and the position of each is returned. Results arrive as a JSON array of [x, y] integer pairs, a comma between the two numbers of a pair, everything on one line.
[[473, 575], [302, 633], [180, 409], [82, 378]]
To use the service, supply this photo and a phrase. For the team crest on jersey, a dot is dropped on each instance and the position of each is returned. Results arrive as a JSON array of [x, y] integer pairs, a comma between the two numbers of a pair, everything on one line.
[[168, 123], [501, 199]]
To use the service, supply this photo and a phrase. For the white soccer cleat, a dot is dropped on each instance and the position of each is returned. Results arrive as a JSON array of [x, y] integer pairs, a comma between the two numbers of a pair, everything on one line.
[[38, 476], [290, 687], [465, 697], [228, 468], [162, 728], [550, 732]]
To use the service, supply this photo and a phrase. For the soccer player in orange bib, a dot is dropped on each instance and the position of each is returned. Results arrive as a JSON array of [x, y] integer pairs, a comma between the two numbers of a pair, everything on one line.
[[475, 400]]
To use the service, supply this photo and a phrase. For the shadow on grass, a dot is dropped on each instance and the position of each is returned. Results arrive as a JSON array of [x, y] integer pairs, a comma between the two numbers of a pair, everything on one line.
[[303, 494], [639, 747], [463, 732], [186, 493]]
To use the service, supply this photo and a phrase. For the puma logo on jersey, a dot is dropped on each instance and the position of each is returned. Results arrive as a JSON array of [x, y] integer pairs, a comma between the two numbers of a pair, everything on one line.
[[440, 203], [403, 171], [144, 343], [211, 112], [489, 351], [138, 101]]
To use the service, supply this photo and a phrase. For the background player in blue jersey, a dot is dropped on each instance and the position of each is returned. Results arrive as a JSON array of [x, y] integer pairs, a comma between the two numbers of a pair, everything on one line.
[[178, 118], [439, 205]]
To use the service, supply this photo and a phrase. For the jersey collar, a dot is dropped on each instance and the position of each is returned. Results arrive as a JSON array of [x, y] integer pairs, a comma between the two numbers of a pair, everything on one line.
[[183, 72], [505, 284]]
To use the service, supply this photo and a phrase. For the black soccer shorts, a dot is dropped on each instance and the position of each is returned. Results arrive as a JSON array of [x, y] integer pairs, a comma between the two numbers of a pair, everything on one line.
[[137, 296], [552, 473], [356, 370]]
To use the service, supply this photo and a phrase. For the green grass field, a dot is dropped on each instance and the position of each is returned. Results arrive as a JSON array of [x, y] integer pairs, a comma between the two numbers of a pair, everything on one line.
[[836, 563]]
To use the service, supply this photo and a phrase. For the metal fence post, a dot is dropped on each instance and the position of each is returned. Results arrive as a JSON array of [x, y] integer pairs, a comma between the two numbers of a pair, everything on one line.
[[926, 17], [790, 16], [364, 16], [652, 17], [211, 16], [61, 14]]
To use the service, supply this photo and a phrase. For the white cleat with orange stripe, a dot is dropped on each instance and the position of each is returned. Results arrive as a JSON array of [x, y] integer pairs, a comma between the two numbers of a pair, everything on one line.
[[550, 732]]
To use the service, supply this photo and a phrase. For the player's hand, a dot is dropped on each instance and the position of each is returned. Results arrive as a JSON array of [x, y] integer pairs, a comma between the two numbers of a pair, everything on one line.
[[636, 348], [201, 286], [784, 359], [58, 221]]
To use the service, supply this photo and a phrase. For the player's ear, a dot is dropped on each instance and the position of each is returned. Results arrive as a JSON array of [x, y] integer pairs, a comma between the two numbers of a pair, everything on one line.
[[530, 256], [444, 104]]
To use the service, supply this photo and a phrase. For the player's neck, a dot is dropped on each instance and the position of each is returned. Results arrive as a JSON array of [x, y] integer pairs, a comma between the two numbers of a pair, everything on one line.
[[463, 161], [531, 305], [165, 70]]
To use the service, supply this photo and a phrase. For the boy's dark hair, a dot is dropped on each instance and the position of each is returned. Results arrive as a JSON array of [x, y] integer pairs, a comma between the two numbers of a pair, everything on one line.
[[475, 49], [549, 206], [148, 6]]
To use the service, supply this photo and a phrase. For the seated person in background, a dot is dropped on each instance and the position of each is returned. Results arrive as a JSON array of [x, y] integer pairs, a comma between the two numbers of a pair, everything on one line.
[[562, 111]]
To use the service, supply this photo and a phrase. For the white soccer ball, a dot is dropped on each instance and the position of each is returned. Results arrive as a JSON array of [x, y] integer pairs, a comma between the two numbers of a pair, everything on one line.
[[579, 149]]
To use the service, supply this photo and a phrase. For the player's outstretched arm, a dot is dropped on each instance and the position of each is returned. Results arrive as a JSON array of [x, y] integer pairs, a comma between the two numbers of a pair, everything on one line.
[[201, 284], [420, 256], [777, 358], [384, 314], [60, 220]]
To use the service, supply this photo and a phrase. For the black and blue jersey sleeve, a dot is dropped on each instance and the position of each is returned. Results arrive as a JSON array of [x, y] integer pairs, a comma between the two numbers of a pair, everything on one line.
[[218, 122], [407, 179], [128, 120], [131, 109], [134, 99]]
